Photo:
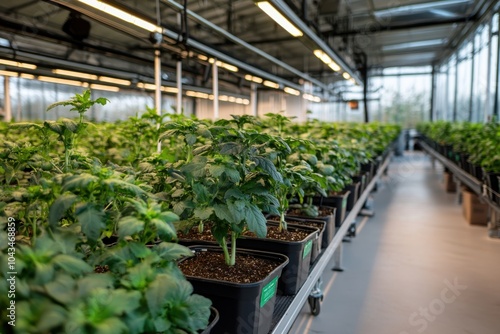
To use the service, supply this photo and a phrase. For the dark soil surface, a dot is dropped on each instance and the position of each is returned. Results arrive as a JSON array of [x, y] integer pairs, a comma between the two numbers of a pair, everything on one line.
[[193, 234], [292, 234], [323, 212], [101, 269], [300, 222], [248, 269]]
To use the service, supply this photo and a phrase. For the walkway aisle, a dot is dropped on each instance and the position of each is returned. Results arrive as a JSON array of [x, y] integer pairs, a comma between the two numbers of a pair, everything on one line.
[[415, 267]]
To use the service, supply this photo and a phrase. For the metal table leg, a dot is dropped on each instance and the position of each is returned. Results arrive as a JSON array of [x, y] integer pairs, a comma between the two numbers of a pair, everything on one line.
[[338, 259]]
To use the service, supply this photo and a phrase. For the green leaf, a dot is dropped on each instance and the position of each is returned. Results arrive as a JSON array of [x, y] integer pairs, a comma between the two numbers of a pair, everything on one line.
[[61, 289], [71, 264], [76, 182], [124, 186], [198, 308], [256, 221], [233, 175], [59, 207], [203, 213], [129, 226], [91, 221], [216, 170], [222, 212], [190, 139], [268, 167], [231, 148], [94, 281], [165, 230], [170, 251], [202, 149], [70, 124], [168, 217]]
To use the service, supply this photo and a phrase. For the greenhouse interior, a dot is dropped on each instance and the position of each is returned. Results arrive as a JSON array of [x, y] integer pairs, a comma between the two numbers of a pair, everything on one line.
[[327, 166]]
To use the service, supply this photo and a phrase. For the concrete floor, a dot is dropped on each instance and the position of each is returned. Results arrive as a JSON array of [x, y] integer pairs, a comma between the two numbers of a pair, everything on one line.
[[415, 267]]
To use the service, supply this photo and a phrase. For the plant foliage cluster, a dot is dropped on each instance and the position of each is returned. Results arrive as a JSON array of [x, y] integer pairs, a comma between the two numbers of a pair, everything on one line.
[[98, 207]]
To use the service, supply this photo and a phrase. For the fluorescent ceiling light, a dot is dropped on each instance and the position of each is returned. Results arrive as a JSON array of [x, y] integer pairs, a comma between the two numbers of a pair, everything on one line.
[[228, 67], [418, 8], [63, 81], [311, 98], [115, 81], [17, 64], [409, 45], [292, 91], [123, 15], [202, 57], [327, 60], [223, 98], [146, 86], [27, 76], [254, 79], [8, 73], [279, 18], [346, 75], [231, 99], [75, 74], [271, 84], [169, 89], [105, 87]]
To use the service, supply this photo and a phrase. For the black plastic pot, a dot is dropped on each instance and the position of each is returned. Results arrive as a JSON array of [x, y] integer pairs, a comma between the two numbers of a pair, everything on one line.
[[369, 169], [491, 180], [245, 308], [353, 194], [337, 201], [315, 222], [214, 318], [361, 178], [298, 252], [329, 227]]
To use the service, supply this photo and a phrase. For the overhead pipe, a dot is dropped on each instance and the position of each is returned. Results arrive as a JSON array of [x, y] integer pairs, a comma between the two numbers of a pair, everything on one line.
[[290, 14], [197, 18]]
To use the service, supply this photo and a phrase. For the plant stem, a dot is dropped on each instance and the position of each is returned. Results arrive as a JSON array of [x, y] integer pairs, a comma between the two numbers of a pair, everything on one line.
[[233, 249], [226, 252]]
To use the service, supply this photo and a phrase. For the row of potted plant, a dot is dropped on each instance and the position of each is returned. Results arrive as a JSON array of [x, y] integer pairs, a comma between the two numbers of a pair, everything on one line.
[[472, 146], [120, 206]]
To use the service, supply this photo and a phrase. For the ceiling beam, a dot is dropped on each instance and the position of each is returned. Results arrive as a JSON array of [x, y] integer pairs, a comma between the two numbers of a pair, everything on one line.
[[389, 28]]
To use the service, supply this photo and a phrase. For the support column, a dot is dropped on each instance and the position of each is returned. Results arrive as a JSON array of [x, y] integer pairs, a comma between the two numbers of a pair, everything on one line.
[[471, 100], [253, 99], [158, 88], [7, 105], [215, 88], [433, 92], [179, 87]]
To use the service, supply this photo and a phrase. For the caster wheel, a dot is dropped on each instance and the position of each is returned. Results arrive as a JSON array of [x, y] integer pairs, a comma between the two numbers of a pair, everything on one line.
[[352, 230], [315, 305]]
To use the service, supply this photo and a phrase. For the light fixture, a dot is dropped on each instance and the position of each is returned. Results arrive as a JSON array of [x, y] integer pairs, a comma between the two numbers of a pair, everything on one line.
[[169, 89], [17, 64], [419, 7], [254, 79], [27, 76], [353, 81], [202, 57], [223, 98], [115, 81], [80, 75], [417, 44], [231, 99], [105, 88], [326, 59], [311, 98], [228, 67], [123, 15], [271, 84], [147, 86], [292, 91], [346, 75], [279, 18], [63, 81], [8, 73]]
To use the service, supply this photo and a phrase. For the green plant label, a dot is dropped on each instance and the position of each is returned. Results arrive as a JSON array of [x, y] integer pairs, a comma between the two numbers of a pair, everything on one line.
[[344, 202], [307, 248], [268, 291]]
